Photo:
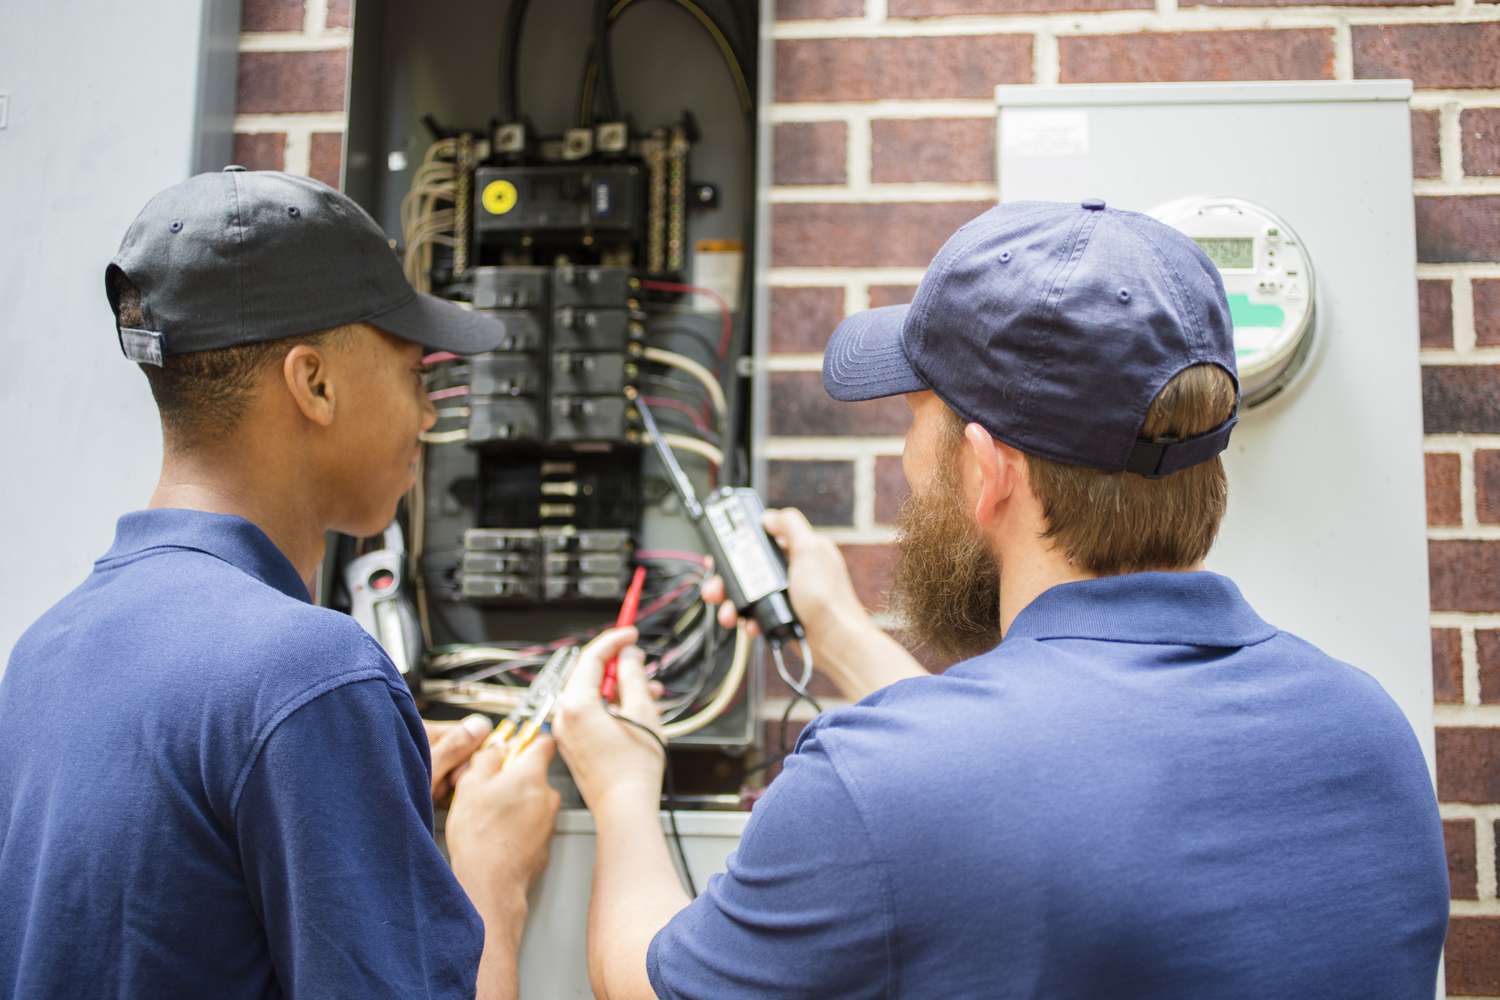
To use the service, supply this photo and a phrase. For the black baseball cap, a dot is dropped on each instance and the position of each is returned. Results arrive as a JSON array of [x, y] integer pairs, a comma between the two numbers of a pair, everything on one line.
[[241, 256], [1053, 326]]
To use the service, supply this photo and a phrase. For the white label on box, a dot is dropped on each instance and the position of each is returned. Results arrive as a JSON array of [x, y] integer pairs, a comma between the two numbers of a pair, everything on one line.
[[1038, 133]]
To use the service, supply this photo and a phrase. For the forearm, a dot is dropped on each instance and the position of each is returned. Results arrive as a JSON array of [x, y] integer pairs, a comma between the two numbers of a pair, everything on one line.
[[860, 657], [636, 892], [504, 921]]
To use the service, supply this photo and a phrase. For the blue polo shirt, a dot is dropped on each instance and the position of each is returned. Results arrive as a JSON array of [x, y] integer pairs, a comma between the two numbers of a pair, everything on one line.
[[211, 788], [1144, 791]]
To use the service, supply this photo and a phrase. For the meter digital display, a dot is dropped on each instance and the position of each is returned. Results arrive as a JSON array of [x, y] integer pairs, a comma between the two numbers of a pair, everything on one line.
[[1227, 252], [1268, 278]]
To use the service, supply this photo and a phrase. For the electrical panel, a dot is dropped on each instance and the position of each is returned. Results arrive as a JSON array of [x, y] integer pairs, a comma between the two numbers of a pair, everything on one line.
[[604, 214]]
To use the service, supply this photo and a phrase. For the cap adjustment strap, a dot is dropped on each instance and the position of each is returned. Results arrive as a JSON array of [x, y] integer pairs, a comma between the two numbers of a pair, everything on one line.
[[1166, 455]]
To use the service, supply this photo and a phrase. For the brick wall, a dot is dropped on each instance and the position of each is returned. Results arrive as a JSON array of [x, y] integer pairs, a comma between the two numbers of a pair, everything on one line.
[[883, 142]]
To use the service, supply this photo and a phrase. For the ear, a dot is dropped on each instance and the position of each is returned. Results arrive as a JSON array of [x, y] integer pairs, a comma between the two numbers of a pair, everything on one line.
[[995, 469], [309, 378]]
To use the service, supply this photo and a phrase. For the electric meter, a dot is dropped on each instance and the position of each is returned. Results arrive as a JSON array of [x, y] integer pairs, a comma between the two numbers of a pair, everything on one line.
[[1268, 276]]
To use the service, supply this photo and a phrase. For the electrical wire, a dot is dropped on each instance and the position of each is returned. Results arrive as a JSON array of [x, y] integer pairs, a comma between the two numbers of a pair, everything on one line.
[[443, 437], [671, 795], [725, 313], [726, 50], [685, 364], [678, 406], [723, 696], [694, 446], [799, 686]]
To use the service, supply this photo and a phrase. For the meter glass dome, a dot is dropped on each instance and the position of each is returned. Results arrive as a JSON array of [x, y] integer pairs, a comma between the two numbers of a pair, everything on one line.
[[1268, 277]]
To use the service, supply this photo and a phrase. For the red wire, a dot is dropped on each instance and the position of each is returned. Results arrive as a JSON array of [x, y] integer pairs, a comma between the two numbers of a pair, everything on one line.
[[672, 286], [681, 407], [437, 356], [449, 393]]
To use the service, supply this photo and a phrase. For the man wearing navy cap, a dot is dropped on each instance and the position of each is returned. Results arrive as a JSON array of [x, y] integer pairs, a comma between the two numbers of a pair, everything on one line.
[[209, 787], [1144, 790]]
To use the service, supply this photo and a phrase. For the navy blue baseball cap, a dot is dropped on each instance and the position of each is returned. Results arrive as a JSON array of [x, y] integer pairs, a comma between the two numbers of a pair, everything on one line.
[[241, 256], [1053, 326]]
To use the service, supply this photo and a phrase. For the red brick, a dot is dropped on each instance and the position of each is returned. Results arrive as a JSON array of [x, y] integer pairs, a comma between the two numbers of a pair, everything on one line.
[[1297, 54], [1435, 312], [891, 489], [340, 14], [1426, 160], [944, 8], [938, 150], [1464, 575], [1487, 485], [1458, 228], [926, 67], [823, 490], [1430, 55], [260, 150], [802, 318], [1304, 3], [1463, 876], [1447, 666], [1480, 131], [1442, 489], [870, 567], [886, 234], [271, 15], [1461, 399], [795, 10], [1487, 648], [1471, 956], [291, 82], [1487, 311], [326, 157], [891, 295], [810, 153], [800, 407], [1468, 764]]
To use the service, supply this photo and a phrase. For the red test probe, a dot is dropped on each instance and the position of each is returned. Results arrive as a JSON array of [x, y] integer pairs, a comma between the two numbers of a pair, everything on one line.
[[609, 686]]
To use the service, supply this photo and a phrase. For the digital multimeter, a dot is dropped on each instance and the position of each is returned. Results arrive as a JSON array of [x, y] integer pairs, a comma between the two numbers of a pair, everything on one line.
[[1268, 276]]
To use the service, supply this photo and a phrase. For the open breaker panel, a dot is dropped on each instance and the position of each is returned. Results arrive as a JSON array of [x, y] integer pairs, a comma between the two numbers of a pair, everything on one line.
[[584, 171]]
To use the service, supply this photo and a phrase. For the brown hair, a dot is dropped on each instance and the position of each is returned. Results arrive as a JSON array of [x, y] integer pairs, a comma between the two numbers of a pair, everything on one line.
[[203, 395], [1119, 522]]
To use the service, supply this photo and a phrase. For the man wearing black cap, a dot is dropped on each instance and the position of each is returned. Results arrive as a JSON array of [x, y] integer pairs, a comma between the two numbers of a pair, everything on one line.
[[1144, 790], [210, 786]]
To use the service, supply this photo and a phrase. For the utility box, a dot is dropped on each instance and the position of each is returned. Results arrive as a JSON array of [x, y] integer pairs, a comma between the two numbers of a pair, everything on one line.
[[1301, 194]]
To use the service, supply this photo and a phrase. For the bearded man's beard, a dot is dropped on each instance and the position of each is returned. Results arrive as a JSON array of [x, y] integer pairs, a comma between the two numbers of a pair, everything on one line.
[[947, 582]]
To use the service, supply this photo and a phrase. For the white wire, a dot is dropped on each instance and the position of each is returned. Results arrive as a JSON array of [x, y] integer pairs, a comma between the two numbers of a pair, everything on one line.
[[681, 442], [685, 364], [721, 699]]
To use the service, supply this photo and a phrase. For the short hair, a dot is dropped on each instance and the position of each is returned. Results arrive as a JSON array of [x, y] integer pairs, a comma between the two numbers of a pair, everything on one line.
[[1119, 522], [202, 396]]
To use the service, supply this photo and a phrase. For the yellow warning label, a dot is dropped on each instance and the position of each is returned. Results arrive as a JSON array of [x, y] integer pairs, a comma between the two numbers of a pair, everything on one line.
[[499, 197]]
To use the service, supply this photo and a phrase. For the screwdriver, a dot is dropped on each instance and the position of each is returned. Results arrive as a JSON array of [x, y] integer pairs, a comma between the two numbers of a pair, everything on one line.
[[609, 685]]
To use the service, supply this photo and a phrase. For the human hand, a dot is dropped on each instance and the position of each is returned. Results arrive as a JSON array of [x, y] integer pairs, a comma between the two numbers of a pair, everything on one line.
[[500, 826], [452, 744], [609, 758], [822, 593]]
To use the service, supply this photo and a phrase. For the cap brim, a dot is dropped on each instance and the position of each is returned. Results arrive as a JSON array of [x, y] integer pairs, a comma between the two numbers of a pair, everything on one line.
[[434, 322], [865, 358]]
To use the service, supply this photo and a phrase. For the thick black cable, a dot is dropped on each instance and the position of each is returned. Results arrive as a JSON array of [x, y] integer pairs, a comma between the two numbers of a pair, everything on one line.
[[671, 796]]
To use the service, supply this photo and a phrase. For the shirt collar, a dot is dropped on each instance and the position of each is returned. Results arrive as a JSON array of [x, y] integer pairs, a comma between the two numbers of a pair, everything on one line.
[[1188, 609], [224, 536]]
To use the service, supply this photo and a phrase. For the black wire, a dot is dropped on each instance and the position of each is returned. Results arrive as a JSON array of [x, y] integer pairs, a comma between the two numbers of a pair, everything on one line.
[[510, 72], [606, 65], [687, 873]]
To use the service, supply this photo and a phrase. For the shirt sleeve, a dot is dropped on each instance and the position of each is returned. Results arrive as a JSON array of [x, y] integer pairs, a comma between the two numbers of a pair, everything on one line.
[[803, 909], [335, 835]]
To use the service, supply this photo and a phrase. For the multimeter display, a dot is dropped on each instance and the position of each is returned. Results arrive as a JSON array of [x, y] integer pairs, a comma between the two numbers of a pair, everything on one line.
[[1228, 253]]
